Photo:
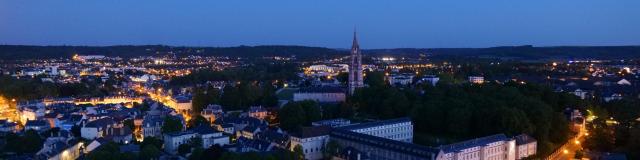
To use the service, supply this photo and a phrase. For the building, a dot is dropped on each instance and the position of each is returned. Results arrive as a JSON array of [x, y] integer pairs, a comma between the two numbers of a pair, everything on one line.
[[97, 128], [526, 146], [356, 79], [312, 140], [320, 94], [476, 79], [494, 147], [400, 129], [430, 79], [182, 104], [30, 111], [258, 112], [375, 147], [340, 122], [173, 140], [212, 112], [37, 125], [152, 126], [208, 135], [61, 150], [8, 127], [400, 79]]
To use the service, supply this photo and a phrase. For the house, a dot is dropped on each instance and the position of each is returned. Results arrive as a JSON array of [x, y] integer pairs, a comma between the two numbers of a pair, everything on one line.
[[173, 140], [258, 112], [37, 125], [8, 127], [249, 131], [252, 145], [97, 128], [277, 137], [208, 135], [152, 126], [212, 112], [61, 150]]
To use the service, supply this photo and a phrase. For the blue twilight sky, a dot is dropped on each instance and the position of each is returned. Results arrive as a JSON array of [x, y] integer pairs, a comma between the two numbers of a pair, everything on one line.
[[325, 23]]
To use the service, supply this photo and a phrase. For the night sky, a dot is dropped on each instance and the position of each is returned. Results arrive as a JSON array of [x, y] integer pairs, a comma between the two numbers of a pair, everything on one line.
[[323, 23]]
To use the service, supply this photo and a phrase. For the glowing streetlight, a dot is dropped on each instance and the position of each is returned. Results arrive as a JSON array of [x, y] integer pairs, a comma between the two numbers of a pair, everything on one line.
[[565, 151], [577, 142]]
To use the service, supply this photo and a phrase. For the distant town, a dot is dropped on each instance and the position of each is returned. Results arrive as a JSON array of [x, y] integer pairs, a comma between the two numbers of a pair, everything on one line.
[[346, 105]]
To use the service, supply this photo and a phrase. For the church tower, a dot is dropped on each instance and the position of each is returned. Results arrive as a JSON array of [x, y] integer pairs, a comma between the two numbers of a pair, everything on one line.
[[355, 67]]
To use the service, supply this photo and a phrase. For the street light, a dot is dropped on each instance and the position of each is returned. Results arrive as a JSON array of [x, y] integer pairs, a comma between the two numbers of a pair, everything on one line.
[[577, 142], [565, 151]]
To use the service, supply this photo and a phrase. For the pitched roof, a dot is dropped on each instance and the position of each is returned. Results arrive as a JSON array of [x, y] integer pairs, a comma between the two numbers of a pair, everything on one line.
[[524, 139], [100, 123], [307, 132]]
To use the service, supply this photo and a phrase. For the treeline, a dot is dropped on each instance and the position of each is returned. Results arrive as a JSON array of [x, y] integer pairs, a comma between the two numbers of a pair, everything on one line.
[[235, 97], [255, 72], [13, 52], [449, 112], [34, 88], [520, 52]]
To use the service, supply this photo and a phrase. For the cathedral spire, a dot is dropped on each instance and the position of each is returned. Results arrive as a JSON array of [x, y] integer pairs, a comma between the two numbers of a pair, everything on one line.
[[355, 40]]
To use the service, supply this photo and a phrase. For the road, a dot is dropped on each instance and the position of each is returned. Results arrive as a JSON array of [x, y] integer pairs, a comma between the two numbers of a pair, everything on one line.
[[572, 146]]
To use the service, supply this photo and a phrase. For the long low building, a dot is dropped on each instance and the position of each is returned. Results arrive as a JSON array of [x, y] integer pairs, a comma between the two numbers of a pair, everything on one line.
[[400, 129], [321, 94], [493, 147], [378, 148]]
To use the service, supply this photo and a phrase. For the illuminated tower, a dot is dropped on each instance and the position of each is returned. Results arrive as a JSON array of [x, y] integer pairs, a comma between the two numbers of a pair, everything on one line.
[[355, 67]]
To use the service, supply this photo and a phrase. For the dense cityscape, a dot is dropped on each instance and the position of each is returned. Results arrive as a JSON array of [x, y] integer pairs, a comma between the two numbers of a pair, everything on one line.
[[319, 80], [351, 106]]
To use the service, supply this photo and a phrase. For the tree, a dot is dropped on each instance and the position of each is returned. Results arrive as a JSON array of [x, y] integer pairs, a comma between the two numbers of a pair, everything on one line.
[[299, 152], [332, 148], [30, 142], [294, 115], [291, 116], [197, 120], [185, 148], [151, 141], [129, 123], [214, 152], [171, 125], [149, 152]]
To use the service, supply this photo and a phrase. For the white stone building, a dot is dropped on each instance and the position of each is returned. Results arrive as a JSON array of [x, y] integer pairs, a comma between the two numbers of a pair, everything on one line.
[[526, 146], [312, 140], [400, 129], [494, 147]]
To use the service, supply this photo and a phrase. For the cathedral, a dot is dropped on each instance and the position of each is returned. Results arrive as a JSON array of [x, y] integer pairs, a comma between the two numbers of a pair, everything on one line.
[[355, 67]]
